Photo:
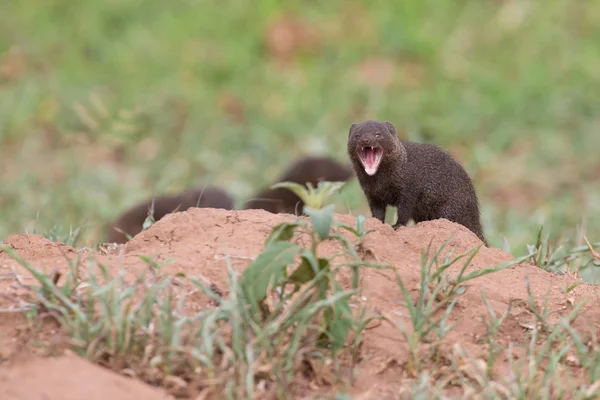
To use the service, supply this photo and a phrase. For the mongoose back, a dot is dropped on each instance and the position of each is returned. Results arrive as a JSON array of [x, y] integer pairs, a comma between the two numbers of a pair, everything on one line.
[[421, 180], [132, 220], [311, 169]]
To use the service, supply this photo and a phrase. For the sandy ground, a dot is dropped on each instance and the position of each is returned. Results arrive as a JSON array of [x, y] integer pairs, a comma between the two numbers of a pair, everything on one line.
[[199, 240]]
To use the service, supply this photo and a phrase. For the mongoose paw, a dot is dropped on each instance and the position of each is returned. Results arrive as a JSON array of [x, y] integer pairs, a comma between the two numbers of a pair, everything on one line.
[[396, 226]]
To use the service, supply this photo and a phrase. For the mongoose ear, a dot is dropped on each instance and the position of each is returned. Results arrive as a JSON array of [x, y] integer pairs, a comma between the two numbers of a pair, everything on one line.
[[351, 129], [390, 127]]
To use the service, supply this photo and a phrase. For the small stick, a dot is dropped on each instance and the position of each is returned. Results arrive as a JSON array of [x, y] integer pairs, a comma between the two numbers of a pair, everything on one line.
[[595, 254]]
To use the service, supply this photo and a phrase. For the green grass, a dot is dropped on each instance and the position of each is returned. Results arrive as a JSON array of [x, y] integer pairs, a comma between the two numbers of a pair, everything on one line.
[[105, 103]]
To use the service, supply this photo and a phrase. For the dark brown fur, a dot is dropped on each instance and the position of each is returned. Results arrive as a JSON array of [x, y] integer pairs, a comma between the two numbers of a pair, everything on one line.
[[308, 169], [131, 221], [421, 180]]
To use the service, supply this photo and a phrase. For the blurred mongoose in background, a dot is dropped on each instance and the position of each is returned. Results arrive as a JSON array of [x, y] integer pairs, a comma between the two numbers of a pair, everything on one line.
[[132, 220], [421, 180], [311, 169]]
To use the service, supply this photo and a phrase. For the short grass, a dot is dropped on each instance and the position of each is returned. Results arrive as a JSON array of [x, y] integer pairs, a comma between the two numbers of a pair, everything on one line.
[[105, 103]]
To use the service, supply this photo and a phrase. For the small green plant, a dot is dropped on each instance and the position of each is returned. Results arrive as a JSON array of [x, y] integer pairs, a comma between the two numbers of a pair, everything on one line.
[[437, 292], [153, 265], [312, 278], [492, 328], [57, 234], [149, 221], [312, 197], [358, 230], [590, 269], [588, 356], [584, 258], [541, 313], [538, 374]]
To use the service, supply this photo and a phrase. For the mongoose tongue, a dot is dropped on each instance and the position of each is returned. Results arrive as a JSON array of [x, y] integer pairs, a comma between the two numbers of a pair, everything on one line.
[[370, 158]]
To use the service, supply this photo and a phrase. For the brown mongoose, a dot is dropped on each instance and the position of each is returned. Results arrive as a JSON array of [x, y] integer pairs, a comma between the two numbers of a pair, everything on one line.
[[421, 180], [132, 220], [311, 169]]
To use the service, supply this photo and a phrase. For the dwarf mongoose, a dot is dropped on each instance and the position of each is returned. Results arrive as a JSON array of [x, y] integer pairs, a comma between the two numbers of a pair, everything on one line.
[[131, 221], [421, 180], [307, 169]]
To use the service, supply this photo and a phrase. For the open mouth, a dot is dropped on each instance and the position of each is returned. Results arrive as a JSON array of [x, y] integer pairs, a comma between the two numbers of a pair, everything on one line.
[[370, 157]]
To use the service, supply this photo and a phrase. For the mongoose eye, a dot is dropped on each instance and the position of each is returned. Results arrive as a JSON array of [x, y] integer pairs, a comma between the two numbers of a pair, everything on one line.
[[377, 135]]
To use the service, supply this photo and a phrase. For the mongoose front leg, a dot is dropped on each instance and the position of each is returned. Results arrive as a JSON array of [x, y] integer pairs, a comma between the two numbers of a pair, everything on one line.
[[377, 210], [403, 217]]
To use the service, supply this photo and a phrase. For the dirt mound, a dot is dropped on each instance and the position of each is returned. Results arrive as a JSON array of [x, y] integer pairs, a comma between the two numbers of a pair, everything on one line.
[[70, 378], [200, 240], [34, 247]]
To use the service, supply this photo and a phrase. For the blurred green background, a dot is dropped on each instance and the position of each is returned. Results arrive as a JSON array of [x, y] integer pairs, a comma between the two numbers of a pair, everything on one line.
[[105, 103]]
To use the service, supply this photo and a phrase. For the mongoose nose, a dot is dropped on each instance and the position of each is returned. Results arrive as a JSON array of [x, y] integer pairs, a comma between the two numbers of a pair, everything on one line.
[[365, 141]]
